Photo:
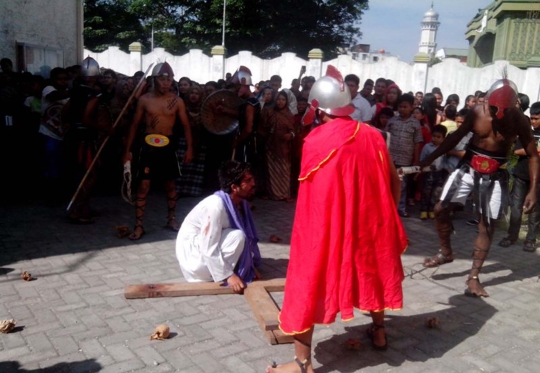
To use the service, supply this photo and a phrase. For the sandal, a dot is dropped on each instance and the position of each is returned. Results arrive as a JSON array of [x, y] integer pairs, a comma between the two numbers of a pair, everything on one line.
[[172, 227], [171, 205], [370, 333], [438, 260], [140, 206], [134, 236], [529, 246], [301, 364], [469, 293], [507, 242]]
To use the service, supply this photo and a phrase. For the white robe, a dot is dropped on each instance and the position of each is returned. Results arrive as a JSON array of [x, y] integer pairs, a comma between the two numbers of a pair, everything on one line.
[[207, 248]]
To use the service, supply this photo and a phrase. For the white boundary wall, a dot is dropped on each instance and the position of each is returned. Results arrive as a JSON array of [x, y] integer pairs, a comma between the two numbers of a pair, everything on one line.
[[450, 75]]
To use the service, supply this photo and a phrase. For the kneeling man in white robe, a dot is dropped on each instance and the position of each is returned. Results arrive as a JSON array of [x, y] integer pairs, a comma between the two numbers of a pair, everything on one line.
[[218, 240]]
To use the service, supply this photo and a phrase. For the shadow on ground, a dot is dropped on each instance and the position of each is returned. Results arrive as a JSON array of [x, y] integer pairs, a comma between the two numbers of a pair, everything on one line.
[[408, 338], [86, 366]]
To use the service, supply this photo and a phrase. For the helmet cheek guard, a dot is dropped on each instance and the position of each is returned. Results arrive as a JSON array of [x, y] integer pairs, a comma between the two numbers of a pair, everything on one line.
[[502, 95]]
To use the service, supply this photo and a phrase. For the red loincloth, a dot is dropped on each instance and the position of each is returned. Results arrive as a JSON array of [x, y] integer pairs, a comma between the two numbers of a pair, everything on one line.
[[347, 237]]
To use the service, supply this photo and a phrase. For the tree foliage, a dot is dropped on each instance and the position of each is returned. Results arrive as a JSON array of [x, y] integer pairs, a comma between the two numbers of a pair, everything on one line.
[[264, 27], [108, 23]]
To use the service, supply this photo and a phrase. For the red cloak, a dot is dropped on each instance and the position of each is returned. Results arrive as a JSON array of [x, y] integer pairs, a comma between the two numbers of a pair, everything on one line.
[[347, 237]]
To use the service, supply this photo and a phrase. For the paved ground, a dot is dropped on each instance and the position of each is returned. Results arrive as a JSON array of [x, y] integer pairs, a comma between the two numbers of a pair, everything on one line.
[[74, 317]]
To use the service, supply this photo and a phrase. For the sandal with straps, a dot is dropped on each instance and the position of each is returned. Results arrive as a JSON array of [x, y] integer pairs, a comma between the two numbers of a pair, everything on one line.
[[301, 364], [138, 220], [506, 242], [172, 209], [468, 292], [438, 260], [371, 334], [133, 236], [529, 246]]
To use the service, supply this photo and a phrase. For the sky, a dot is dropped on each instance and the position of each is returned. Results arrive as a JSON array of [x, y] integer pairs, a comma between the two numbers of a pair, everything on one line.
[[394, 25]]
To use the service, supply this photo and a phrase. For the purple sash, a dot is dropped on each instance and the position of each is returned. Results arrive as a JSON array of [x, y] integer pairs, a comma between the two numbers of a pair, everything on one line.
[[251, 256]]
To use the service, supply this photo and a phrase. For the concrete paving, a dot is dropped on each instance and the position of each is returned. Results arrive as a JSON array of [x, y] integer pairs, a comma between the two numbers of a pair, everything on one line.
[[74, 317]]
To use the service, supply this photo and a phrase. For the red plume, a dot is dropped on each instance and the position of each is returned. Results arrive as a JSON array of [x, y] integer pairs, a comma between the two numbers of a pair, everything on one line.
[[332, 72]]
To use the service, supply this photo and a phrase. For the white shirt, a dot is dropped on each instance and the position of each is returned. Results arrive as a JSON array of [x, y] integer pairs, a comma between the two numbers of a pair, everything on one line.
[[197, 244], [362, 112]]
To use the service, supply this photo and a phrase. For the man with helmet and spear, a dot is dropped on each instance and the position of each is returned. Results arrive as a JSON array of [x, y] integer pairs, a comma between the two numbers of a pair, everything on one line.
[[82, 137], [159, 109], [495, 125], [347, 236]]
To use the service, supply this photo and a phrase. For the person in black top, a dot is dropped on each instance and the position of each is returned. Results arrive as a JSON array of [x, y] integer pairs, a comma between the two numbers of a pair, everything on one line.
[[520, 189]]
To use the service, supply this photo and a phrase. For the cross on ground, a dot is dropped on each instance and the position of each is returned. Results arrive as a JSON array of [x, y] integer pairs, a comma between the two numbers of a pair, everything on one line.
[[256, 293]]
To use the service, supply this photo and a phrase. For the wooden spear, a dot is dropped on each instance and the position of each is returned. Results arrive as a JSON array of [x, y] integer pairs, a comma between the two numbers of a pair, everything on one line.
[[107, 138]]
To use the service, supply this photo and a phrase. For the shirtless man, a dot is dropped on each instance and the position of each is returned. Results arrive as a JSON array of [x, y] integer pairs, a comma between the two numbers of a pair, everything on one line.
[[159, 109], [495, 125]]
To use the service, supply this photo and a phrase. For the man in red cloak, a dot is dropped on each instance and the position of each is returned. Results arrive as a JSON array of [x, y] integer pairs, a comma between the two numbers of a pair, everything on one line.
[[347, 237]]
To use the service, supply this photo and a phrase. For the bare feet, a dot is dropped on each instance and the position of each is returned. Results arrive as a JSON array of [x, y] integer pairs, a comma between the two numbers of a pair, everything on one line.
[[292, 367], [474, 288]]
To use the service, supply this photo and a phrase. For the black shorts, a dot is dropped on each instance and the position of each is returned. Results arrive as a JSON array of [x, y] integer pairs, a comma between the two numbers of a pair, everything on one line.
[[161, 163]]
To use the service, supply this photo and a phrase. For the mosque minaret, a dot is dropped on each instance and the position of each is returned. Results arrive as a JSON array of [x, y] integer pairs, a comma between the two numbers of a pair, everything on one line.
[[430, 25]]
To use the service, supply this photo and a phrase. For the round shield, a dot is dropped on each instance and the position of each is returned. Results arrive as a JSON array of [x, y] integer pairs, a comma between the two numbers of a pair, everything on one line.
[[219, 112]]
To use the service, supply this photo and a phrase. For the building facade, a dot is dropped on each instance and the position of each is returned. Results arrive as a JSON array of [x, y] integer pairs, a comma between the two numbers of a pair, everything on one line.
[[39, 35], [505, 30]]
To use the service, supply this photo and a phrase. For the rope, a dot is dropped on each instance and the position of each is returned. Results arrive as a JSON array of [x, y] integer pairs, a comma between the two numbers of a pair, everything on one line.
[[126, 184]]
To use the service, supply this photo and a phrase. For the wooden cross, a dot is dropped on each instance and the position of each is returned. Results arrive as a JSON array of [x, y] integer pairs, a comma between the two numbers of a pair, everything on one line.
[[257, 294]]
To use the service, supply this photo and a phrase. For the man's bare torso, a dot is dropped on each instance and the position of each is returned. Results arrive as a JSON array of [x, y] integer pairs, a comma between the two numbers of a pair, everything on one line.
[[160, 112], [486, 138]]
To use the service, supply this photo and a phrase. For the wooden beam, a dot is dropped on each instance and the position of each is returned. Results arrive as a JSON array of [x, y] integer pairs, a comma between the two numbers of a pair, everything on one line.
[[257, 295], [187, 289], [175, 290]]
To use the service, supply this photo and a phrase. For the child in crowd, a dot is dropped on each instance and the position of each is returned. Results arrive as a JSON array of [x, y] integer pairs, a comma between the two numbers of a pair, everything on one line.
[[450, 113], [405, 141], [435, 179], [384, 116], [520, 190]]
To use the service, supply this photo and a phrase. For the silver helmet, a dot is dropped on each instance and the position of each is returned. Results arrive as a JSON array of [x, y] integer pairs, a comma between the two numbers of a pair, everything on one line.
[[162, 68], [503, 94], [329, 94], [242, 76], [90, 67]]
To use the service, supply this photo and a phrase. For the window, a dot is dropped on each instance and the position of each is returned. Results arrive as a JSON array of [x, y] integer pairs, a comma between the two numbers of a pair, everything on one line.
[[38, 60]]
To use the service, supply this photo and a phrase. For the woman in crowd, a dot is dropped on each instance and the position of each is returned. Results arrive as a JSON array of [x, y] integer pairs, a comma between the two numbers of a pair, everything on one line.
[[453, 99], [391, 97], [184, 84], [266, 97], [470, 101], [277, 124], [429, 105]]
